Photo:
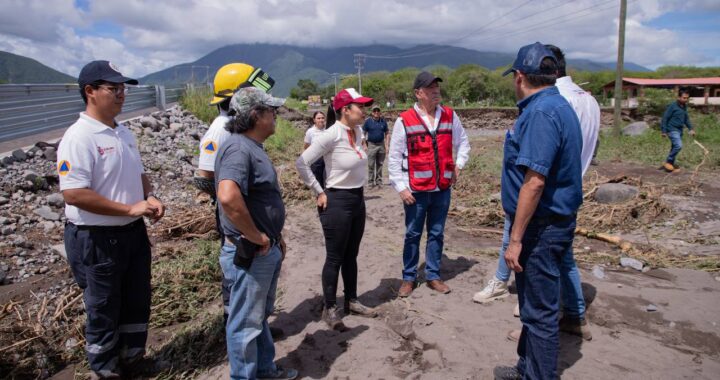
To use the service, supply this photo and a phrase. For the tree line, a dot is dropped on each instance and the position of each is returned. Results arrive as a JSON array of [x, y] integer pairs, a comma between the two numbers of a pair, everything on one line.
[[473, 85]]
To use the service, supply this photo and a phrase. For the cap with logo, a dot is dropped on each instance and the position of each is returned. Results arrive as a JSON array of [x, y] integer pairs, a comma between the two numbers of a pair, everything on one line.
[[348, 96], [102, 71], [529, 58]]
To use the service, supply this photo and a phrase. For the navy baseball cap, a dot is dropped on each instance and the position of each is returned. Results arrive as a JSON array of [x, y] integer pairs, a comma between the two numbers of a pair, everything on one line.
[[529, 58], [102, 71]]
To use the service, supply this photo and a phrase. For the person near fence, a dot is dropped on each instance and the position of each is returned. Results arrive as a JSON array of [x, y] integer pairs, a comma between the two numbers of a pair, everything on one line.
[[318, 167], [376, 140], [341, 203], [107, 194], [228, 80], [252, 216], [422, 170], [673, 120], [541, 191]]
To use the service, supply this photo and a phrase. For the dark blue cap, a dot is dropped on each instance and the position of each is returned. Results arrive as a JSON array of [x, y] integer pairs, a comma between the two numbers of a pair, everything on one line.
[[529, 58], [102, 71]]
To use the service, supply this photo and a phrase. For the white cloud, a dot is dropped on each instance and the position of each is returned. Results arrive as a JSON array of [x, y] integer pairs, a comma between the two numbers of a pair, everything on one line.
[[161, 33]]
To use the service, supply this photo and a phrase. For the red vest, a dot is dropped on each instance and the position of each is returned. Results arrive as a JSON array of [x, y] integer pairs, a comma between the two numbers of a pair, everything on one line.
[[430, 160]]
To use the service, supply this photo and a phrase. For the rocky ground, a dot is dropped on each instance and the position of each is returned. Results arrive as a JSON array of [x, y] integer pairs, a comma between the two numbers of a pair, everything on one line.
[[648, 322]]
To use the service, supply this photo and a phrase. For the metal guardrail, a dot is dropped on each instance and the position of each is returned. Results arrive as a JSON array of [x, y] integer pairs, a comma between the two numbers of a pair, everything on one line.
[[27, 109]]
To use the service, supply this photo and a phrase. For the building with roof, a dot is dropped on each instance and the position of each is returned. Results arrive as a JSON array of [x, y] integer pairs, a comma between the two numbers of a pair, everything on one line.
[[703, 91]]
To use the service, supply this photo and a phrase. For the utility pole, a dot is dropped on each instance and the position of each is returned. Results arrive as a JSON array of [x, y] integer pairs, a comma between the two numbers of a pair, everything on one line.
[[335, 76], [359, 65], [619, 70]]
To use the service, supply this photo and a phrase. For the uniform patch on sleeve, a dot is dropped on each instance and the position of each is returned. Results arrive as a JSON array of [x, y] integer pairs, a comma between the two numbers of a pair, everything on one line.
[[210, 147], [64, 167]]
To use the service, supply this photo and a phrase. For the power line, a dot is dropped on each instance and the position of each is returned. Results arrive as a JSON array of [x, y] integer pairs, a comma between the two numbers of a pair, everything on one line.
[[533, 27], [451, 41], [360, 64]]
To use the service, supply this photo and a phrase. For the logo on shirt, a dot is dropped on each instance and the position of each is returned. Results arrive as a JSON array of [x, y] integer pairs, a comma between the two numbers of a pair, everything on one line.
[[102, 151], [210, 147], [64, 167]]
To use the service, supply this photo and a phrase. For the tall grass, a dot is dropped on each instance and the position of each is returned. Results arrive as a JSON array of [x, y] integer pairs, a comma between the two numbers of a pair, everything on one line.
[[652, 149], [197, 101], [286, 144]]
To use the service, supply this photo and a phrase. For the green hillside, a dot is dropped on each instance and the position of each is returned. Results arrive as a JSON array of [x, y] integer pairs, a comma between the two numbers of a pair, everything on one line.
[[18, 69]]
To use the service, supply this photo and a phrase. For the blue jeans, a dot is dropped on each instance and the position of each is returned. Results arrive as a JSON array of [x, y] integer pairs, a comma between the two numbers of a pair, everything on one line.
[[571, 290], [429, 210], [675, 145], [543, 247], [227, 253], [250, 347]]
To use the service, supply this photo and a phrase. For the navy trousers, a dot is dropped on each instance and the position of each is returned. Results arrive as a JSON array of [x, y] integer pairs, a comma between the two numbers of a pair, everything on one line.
[[112, 267]]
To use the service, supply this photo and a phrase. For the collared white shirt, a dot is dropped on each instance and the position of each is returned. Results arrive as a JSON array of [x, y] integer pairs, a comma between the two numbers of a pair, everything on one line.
[[212, 140], [106, 160], [588, 111], [397, 159]]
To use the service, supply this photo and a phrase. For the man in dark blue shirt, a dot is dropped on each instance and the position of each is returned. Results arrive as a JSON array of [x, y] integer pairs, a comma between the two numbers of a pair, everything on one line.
[[541, 192], [674, 119], [376, 140]]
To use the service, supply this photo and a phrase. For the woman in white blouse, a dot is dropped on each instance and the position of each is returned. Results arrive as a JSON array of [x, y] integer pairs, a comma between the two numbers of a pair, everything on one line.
[[341, 204], [318, 167]]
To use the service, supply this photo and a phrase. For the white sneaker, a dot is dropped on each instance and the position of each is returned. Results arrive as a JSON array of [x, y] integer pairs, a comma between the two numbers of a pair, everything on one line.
[[494, 290], [516, 310]]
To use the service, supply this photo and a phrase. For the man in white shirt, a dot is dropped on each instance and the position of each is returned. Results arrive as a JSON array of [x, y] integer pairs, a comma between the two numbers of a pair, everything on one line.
[[107, 194], [422, 170]]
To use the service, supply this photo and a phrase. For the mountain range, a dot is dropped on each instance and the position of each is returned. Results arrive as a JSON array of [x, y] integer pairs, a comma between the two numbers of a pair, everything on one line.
[[287, 64], [18, 69]]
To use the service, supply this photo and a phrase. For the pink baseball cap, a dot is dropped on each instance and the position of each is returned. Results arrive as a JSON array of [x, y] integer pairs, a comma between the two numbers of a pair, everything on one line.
[[348, 96]]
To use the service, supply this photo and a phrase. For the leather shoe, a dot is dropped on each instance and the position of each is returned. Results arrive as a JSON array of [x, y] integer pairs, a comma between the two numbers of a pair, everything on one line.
[[406, 289], [438, 286]]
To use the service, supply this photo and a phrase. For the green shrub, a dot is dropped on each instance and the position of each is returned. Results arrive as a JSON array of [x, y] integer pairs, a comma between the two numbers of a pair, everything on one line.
[[655, 101]]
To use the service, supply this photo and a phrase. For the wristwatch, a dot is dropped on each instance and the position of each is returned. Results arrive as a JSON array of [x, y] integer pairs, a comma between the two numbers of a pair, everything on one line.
[[151, 194]]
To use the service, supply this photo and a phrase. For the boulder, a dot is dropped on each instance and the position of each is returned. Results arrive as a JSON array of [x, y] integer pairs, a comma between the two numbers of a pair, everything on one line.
[[50, 154], [150, 122], [629, 262], [615, 192], [635, 129], [55, 200], [19, 155], [46, 213]]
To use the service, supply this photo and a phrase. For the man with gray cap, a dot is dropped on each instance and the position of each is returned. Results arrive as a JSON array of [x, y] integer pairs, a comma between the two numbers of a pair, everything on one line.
[[252, 216], [541, 193], [422, 170], [107, 194]]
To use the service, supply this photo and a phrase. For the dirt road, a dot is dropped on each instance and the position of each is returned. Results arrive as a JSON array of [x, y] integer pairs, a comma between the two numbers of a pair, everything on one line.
[[432, 336]]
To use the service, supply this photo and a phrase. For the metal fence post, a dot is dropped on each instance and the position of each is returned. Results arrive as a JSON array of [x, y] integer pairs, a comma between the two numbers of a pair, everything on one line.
[[160, 97]]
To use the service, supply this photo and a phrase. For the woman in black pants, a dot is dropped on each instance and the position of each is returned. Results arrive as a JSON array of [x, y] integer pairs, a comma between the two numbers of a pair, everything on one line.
[[341, 204]]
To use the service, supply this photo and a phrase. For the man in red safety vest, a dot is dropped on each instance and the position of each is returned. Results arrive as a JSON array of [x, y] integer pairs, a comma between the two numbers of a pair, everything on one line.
[[422, 170]]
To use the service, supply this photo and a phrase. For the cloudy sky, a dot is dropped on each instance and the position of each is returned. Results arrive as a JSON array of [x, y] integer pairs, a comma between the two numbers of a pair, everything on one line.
[[145, 36]]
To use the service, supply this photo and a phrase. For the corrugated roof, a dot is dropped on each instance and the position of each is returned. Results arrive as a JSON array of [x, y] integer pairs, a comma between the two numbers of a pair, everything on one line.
[[672, 81]]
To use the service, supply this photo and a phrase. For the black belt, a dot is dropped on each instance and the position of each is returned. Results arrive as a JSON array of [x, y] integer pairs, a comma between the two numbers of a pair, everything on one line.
[[126, 227], [273, 241], [356, 190]]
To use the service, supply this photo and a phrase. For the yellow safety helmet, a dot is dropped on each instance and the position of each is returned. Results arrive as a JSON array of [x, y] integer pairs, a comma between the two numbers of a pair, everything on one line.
[[235, 76]]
